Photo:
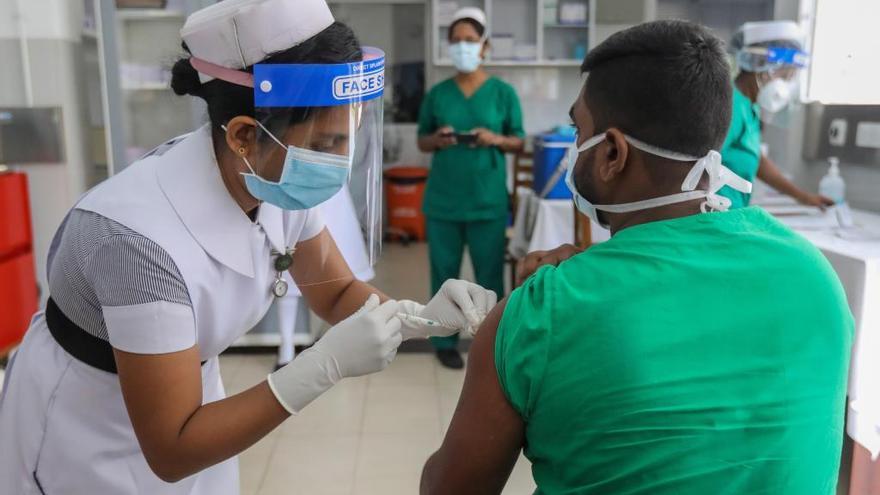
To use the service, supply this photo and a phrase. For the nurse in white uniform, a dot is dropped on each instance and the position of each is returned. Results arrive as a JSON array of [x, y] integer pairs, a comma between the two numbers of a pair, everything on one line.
[[116, 387]]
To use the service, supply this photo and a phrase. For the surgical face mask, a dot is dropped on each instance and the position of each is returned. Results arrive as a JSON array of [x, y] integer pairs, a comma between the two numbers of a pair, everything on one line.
[[308, 178], [466, 55], [775, 95], [719, 176]]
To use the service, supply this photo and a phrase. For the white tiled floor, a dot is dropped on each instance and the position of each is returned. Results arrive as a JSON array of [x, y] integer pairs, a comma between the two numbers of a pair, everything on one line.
[[365, 436]]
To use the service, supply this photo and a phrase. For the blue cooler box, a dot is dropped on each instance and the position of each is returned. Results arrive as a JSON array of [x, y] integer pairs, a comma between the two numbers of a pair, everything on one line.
[[549, 152]]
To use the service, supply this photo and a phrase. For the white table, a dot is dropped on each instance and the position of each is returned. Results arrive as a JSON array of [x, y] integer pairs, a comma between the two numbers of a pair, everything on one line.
[[857, 263], [543, 224]]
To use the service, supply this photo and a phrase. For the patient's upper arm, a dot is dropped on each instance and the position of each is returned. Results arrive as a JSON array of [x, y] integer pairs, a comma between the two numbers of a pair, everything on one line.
[[486, 433]]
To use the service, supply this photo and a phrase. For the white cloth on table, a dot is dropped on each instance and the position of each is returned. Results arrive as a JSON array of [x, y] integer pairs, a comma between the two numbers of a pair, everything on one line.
[[543, 224]]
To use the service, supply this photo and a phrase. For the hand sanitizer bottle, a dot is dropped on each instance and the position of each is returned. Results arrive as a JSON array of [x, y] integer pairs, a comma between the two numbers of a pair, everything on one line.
[[832, 186]]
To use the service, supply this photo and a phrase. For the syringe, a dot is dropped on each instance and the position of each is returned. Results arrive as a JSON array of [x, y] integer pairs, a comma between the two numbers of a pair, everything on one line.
[[418, 320]]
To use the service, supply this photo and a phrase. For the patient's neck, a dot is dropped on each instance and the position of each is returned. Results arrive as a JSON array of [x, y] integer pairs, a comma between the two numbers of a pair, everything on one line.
[[620, 221]]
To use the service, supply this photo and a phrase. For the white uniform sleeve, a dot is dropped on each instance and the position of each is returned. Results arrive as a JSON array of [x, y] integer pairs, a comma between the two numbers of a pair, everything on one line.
[[153, 328], [144, 300]]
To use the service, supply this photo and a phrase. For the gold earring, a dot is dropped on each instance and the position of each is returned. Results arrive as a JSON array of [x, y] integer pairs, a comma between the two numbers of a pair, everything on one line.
[[242, 151]]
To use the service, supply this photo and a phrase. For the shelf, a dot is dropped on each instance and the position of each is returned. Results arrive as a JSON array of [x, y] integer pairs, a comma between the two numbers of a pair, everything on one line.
[[151, 86], [520, 63], [149, 14], [566, 26]]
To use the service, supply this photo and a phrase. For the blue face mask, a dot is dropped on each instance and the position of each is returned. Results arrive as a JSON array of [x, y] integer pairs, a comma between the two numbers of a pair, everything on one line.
[[308, 178], [465, 55]]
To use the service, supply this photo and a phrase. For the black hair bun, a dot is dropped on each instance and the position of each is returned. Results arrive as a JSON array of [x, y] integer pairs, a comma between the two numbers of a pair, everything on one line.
[[185, 79]]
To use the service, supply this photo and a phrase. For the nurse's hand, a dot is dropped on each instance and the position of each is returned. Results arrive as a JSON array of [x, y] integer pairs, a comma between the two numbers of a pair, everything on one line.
[[534, 260], [363, 343], [816, 200], [457, 306], [444, 138], [485, 137]]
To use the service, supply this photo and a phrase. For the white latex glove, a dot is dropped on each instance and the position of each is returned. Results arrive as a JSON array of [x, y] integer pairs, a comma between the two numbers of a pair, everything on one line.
[[457, 306], [363, 343]]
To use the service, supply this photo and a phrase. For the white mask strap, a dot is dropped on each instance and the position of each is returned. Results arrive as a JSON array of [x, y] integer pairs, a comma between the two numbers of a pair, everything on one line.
[[719, 176], [271, 135]]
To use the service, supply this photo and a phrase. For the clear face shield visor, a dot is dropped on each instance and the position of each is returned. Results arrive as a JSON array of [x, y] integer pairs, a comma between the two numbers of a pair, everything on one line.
[[777, 70], [317, 143]]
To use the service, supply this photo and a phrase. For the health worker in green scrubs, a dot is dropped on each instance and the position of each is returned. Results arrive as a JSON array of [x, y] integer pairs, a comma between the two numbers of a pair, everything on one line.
[[700, 350], [769, 56], [469, 122]]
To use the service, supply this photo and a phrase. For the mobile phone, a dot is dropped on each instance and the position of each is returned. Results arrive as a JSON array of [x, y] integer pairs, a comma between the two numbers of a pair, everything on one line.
[[466, 137]]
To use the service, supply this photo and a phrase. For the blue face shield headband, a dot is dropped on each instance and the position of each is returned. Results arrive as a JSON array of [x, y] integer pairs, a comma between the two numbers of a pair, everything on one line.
[[769, 58]]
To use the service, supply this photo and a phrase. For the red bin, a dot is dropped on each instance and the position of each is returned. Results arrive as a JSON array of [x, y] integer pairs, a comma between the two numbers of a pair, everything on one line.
[[19, 297], [404, 192]]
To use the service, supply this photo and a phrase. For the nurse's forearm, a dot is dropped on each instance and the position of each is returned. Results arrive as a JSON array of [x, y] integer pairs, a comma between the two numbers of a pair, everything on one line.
[[350, 300], [770, 173], [427, 143], [179, 435], [510, 144], [219, 430]]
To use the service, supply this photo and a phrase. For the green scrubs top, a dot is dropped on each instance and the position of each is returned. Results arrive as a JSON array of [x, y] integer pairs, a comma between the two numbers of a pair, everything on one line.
[[704, 354], [741, 151], [465, 183]]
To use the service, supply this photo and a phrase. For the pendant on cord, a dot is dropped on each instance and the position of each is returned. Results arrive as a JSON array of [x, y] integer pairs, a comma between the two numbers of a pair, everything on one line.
[[281, 264]]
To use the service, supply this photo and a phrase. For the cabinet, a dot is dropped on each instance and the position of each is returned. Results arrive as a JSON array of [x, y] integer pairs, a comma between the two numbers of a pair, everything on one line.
[[149, 44], [523, 32]]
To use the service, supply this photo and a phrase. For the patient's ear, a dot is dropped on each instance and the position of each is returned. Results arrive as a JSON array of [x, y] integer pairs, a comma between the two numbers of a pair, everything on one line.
[[611, 155]]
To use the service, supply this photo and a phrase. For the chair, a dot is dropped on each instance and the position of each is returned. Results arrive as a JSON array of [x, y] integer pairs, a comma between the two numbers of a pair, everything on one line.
[[523, 176], [583, 236]]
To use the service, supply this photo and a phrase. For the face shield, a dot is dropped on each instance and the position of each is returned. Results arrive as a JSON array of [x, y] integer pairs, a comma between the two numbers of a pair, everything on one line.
[[318, 129], [777, 71]]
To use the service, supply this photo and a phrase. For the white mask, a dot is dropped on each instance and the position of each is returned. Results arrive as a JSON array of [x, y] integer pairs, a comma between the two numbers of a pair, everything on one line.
[[719, 176], [466, 56], [775, 95]]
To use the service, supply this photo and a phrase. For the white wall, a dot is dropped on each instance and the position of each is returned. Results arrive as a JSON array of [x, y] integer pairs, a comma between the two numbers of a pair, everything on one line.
[[44, 72], [786, 148]]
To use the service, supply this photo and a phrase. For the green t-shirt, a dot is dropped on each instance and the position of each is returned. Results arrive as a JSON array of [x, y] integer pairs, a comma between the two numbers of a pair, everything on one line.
[[469, 183], [741, 151], [704, 354]]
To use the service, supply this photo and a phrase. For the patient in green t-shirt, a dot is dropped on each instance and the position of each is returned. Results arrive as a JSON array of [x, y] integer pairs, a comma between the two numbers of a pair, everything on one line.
[[698, 351]]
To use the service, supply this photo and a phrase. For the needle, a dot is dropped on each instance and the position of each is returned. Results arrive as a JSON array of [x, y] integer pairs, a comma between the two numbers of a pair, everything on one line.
[[421, 321]]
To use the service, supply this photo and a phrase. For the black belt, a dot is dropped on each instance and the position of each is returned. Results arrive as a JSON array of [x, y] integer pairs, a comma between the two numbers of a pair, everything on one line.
[[80, 344], [77, 342]]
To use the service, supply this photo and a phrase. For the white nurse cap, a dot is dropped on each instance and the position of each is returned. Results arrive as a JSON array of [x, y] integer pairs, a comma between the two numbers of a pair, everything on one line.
[[239, 33], [474, 13], [764, 31]]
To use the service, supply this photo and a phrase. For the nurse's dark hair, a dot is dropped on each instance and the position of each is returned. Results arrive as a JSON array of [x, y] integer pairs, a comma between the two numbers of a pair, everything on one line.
[[665, 82], [336, 44], [466, 20]]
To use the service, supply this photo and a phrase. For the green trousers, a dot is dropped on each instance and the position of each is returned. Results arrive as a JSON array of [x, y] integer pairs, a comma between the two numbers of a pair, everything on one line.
[[486, 243]]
